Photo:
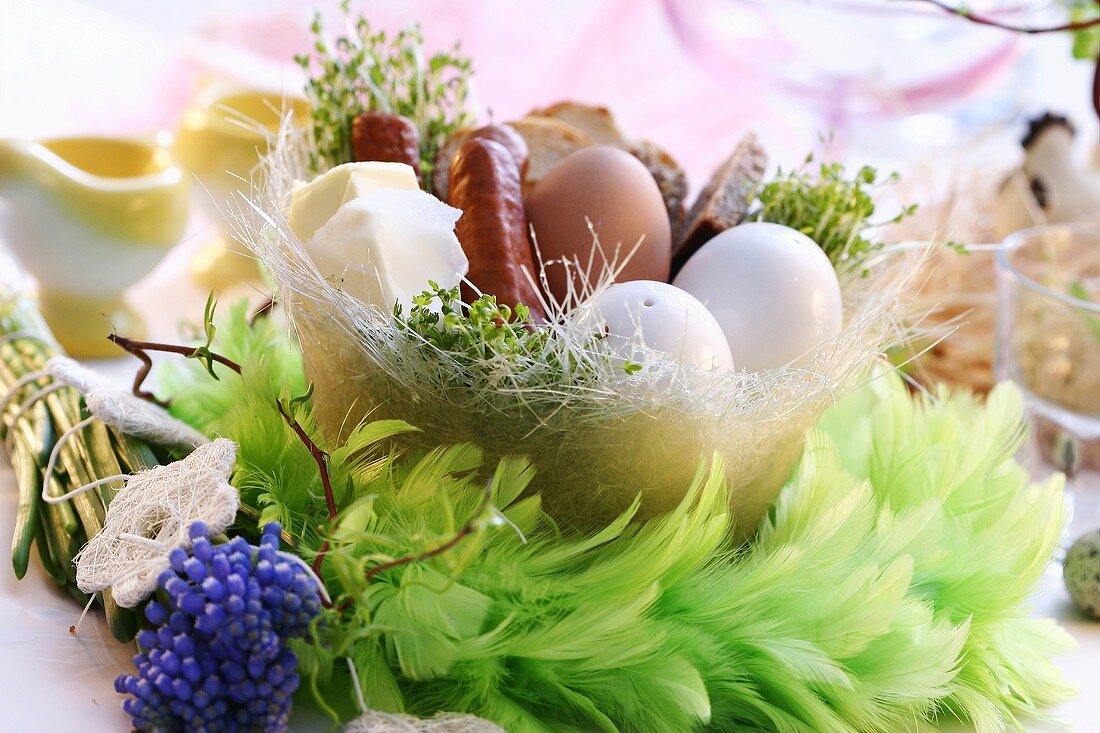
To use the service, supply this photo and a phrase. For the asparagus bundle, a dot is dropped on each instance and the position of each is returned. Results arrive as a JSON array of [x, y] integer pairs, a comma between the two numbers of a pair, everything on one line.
[[31, 420]]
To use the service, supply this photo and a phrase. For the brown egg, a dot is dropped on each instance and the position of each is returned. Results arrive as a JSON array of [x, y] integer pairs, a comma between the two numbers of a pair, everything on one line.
[[619, 197]]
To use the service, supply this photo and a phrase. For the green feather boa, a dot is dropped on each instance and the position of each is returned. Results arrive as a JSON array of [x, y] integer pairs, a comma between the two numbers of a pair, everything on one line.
[[886, 591]]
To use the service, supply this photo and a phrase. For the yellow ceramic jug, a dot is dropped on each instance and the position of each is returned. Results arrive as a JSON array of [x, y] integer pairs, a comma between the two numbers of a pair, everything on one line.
[[220, 140], [88, 217]]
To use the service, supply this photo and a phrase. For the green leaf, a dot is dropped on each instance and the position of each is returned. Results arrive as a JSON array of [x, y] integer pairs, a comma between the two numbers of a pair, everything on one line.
[[297, 402]]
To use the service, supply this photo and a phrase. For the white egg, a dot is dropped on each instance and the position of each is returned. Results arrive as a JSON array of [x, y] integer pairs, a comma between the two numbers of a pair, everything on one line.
[[658, 316], [772, 290]]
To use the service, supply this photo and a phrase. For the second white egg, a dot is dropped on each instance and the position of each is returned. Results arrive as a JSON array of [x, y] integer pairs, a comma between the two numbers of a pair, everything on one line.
[[772, 289], [645, 314]]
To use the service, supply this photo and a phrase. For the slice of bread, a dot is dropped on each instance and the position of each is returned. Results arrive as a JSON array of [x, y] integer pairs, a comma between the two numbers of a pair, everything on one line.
[[723, 202], [549, 141], [599, 124], [596, 122], [669, 175], [442, 167]]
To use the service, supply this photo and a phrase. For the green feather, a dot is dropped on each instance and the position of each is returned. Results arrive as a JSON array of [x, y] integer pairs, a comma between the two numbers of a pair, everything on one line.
[[886, 589]]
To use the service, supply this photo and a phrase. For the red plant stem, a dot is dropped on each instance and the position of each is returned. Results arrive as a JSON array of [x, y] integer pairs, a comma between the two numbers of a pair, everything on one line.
[[1096, 88], [140, 349], [1079, 25], [263, 311], [962, 12], [320, 558], [142, 372], [319, 457], [136, 347], [465, 531]]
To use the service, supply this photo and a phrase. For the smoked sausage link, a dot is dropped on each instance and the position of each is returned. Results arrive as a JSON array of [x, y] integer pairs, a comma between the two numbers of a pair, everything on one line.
[[379, 136], [507, 136], [485, 184]]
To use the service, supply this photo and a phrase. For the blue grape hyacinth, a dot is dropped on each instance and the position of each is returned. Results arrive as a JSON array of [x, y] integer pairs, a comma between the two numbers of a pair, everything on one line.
[[218, 660]]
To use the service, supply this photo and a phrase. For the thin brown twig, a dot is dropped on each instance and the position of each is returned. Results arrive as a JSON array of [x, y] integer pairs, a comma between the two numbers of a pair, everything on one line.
[[1073, 26], [141, 349], [1096, 88], [962, 12], [320, 457], [320, 558], [133, 346], [143, 371], [465, 531], [263, 311]]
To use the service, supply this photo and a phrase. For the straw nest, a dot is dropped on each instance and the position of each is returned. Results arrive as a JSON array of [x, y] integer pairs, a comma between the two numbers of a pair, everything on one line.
[[599, 438]]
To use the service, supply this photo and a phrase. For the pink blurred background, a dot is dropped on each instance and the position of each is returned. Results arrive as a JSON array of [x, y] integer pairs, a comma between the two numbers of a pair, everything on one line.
[[693, 75]]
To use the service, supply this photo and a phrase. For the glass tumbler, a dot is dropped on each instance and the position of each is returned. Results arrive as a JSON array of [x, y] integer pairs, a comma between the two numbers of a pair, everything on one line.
[[1048, 343]]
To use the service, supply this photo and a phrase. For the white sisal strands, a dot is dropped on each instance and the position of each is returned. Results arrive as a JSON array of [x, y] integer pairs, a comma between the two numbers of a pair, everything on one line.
[[150, 516], [598, 438], [120, 409], [376, 722]]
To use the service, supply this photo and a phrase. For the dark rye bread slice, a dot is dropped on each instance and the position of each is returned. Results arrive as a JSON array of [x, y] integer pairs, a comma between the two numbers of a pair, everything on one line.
[[723, 202], [670, 177]]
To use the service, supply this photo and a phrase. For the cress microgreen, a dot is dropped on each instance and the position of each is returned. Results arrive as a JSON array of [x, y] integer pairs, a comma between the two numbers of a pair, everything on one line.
[[373, 70], [481, 330], [486, 330], [828, 206]]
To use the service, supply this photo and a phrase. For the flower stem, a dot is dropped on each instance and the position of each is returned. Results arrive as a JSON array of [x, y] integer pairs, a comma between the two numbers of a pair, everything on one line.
[[141, 350], [973, 17], [320, 457]]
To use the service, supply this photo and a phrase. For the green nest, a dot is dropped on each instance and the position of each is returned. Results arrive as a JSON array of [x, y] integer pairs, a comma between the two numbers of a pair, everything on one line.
[[598, 436], [886, 590]]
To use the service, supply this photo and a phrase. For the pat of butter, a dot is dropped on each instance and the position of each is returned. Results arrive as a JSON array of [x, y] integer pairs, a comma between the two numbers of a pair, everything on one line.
[[384, 247], [314, 203]]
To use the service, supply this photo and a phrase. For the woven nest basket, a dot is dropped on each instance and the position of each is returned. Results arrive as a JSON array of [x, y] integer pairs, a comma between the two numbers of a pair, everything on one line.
[[600, 440]]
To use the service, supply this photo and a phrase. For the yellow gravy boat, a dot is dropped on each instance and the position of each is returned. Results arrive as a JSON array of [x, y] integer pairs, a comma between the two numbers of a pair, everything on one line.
[[220, 139], [88, 217]]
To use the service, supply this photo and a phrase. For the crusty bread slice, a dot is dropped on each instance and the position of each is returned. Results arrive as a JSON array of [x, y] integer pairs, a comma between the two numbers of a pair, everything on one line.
[[549, 141], [599, 124], [723, 202], [442, 166], [596, 122], [669, 175]]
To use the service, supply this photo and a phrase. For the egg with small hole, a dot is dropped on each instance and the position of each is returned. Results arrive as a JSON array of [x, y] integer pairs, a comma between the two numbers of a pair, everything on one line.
[[636, 316], [772, 290]]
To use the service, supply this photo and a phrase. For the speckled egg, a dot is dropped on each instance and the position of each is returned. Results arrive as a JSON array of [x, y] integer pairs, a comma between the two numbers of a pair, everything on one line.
[[1081, 572]]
